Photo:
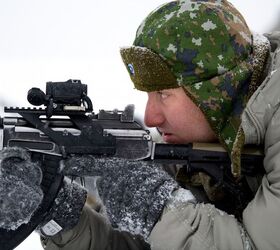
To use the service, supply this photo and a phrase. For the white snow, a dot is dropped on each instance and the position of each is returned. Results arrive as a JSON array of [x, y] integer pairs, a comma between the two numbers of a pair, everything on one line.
[[259, 39], [180, 197]]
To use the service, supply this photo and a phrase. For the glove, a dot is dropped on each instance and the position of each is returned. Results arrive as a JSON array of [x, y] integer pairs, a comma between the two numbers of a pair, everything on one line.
[[66, 210], [133, 192], [21, 194]]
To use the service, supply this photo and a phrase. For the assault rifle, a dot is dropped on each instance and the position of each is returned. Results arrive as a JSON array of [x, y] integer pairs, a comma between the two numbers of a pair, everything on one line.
[[67, 125]]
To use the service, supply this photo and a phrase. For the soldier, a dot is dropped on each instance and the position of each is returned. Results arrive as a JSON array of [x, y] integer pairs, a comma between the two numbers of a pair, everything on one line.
[[208, 78]]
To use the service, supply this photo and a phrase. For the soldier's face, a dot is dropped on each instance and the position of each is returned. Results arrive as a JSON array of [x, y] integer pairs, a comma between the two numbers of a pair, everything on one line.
[[177, 117]]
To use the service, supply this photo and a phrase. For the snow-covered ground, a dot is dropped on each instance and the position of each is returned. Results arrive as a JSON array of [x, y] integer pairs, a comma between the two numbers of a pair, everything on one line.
[[57, 40]]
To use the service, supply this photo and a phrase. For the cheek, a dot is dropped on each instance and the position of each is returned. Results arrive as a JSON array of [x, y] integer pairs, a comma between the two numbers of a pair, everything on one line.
[[191, 125], [183, 120], [189, 116]]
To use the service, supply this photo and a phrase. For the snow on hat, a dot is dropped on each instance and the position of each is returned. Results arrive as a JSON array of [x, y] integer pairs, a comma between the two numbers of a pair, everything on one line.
[[204, 46]]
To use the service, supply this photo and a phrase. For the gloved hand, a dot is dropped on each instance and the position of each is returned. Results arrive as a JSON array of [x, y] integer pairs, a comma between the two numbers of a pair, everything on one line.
[[21, 194], [133, 192]]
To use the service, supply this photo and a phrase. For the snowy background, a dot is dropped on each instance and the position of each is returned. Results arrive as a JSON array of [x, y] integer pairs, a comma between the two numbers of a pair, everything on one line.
[[57, 40]]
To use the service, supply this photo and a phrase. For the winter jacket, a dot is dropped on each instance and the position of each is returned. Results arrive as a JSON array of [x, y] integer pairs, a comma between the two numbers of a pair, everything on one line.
[[189, 225]]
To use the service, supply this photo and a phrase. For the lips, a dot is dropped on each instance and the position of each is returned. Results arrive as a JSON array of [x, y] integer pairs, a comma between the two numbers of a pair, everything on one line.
[[166, 134], [167, 137]]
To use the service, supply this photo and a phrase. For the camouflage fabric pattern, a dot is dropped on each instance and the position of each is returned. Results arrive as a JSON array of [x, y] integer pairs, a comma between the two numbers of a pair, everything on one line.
[[198, 39], [207, 46]]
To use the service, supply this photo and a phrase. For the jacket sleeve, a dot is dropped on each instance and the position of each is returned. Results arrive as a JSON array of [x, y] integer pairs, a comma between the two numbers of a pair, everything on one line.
[[202, 226], [186, 225], [93, 232], [261, 217]]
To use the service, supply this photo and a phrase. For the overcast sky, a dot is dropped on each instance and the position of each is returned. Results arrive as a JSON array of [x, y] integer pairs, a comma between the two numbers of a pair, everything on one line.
[[56, 40]]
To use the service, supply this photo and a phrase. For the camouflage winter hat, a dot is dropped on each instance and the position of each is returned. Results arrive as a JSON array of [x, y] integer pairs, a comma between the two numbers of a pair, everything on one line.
[[205, 46]]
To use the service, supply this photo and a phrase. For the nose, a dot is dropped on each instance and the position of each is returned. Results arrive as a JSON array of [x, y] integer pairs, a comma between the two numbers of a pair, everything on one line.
[[154, 115]]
